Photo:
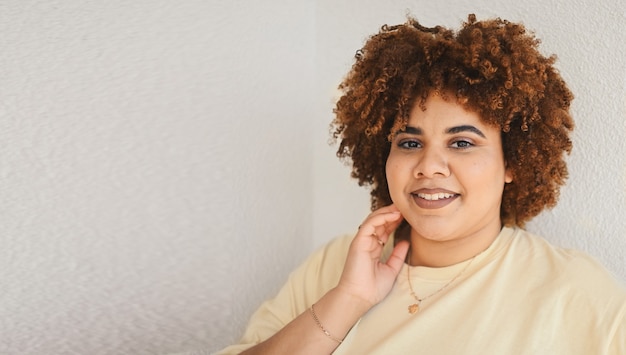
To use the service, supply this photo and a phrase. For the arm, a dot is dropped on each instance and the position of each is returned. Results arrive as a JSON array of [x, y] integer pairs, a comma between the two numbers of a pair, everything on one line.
[[364, 282], [336, 311]]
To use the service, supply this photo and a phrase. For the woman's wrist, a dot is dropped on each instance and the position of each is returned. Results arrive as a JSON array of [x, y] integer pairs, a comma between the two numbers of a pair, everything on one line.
[[337, 312], [353, 302]]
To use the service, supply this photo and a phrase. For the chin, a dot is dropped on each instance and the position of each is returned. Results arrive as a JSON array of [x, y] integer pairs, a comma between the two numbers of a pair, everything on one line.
[[432, 229]]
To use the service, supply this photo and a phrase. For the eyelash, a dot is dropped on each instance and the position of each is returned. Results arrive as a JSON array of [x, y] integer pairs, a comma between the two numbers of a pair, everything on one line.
[[404, 144], [467, 143], [415, 144]]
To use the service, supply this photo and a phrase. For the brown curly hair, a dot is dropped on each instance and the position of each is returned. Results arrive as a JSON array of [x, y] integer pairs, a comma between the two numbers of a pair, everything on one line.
[[494, 68]]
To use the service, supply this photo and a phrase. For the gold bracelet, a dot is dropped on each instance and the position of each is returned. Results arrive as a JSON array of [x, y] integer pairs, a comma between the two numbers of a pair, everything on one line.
[[322, 327]]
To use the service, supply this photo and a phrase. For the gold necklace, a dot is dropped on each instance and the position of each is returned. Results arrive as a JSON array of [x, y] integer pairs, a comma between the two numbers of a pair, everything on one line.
[[415, 307]]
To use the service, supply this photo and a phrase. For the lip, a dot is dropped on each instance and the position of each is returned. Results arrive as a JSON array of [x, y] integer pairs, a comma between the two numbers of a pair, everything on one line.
[[433, 203]]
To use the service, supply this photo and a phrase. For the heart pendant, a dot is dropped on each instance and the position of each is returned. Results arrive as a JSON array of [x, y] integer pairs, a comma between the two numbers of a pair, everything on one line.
[[414, 308]]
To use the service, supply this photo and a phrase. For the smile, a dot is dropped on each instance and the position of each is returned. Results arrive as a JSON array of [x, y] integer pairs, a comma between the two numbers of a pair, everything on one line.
[[435, 197]]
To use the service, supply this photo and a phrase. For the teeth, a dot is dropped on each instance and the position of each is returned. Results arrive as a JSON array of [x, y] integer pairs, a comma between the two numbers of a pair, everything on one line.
[[435, 197]]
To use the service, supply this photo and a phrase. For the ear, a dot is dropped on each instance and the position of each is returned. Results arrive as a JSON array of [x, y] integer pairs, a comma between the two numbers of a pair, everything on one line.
[[508, 174]]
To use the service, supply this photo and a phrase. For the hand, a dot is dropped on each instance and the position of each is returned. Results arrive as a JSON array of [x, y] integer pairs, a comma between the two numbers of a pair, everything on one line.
[[364, 275]]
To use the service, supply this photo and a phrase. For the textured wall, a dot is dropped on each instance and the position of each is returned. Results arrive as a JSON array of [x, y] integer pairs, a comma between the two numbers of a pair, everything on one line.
[[149, 150], [165, 164]]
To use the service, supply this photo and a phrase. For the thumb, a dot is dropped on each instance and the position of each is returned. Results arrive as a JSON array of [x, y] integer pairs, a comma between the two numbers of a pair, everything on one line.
[[396, 260]]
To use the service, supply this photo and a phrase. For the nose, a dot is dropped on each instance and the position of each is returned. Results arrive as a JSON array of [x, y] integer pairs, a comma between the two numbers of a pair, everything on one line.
[[431, 163]]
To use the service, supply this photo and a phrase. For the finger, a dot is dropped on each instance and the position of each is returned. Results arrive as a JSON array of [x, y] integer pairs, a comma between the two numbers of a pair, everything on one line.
[[387, 209], [379, 241], [398, 255], [392, 208], [378, 226], [391, 227], [378, 220]]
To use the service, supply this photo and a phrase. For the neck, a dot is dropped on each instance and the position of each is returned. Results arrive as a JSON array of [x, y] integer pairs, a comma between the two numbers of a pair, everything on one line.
[[441, 253]]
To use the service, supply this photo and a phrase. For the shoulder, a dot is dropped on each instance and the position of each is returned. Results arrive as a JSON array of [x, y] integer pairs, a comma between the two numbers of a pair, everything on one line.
[[329, 259], [566, 292], [321, 270], [573, 272], [306, 284], [335, 250]]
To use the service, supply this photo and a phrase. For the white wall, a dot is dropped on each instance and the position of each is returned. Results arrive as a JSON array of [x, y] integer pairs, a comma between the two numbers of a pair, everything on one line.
[[154, 154], [165, 164]]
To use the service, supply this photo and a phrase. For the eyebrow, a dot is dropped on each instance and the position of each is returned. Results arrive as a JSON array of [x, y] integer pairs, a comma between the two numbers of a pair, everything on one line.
[[452, 130], [465, 128]]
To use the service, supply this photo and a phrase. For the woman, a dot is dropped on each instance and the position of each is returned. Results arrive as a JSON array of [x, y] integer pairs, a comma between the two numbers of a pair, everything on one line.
[[461, 137]]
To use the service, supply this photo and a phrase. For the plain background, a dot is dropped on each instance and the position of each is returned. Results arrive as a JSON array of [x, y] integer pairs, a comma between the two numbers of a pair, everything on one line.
[[164, 165]]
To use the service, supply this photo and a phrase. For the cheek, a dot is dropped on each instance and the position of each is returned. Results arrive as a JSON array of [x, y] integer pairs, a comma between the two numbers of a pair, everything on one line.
[[486, 176], [398, 176], [392, 173], [486, 168]]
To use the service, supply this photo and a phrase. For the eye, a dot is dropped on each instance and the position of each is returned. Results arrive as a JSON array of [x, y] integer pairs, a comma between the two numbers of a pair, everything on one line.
[[409, 144], [462, 144]]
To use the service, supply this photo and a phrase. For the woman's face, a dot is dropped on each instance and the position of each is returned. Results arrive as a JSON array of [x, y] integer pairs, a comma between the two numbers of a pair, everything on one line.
[[446, 172]]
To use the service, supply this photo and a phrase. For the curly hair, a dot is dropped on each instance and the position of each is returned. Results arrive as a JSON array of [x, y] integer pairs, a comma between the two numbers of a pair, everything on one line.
[[494, 68]]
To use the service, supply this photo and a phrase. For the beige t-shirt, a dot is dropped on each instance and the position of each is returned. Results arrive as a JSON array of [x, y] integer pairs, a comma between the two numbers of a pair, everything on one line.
[[520, 296]]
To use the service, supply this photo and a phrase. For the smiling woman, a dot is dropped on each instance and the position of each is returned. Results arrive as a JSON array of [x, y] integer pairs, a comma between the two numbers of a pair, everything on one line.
[[446, 173], [461, 136]]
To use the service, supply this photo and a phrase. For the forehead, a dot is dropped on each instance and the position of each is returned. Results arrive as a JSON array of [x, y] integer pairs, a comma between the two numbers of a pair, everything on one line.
[[442, 110]]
